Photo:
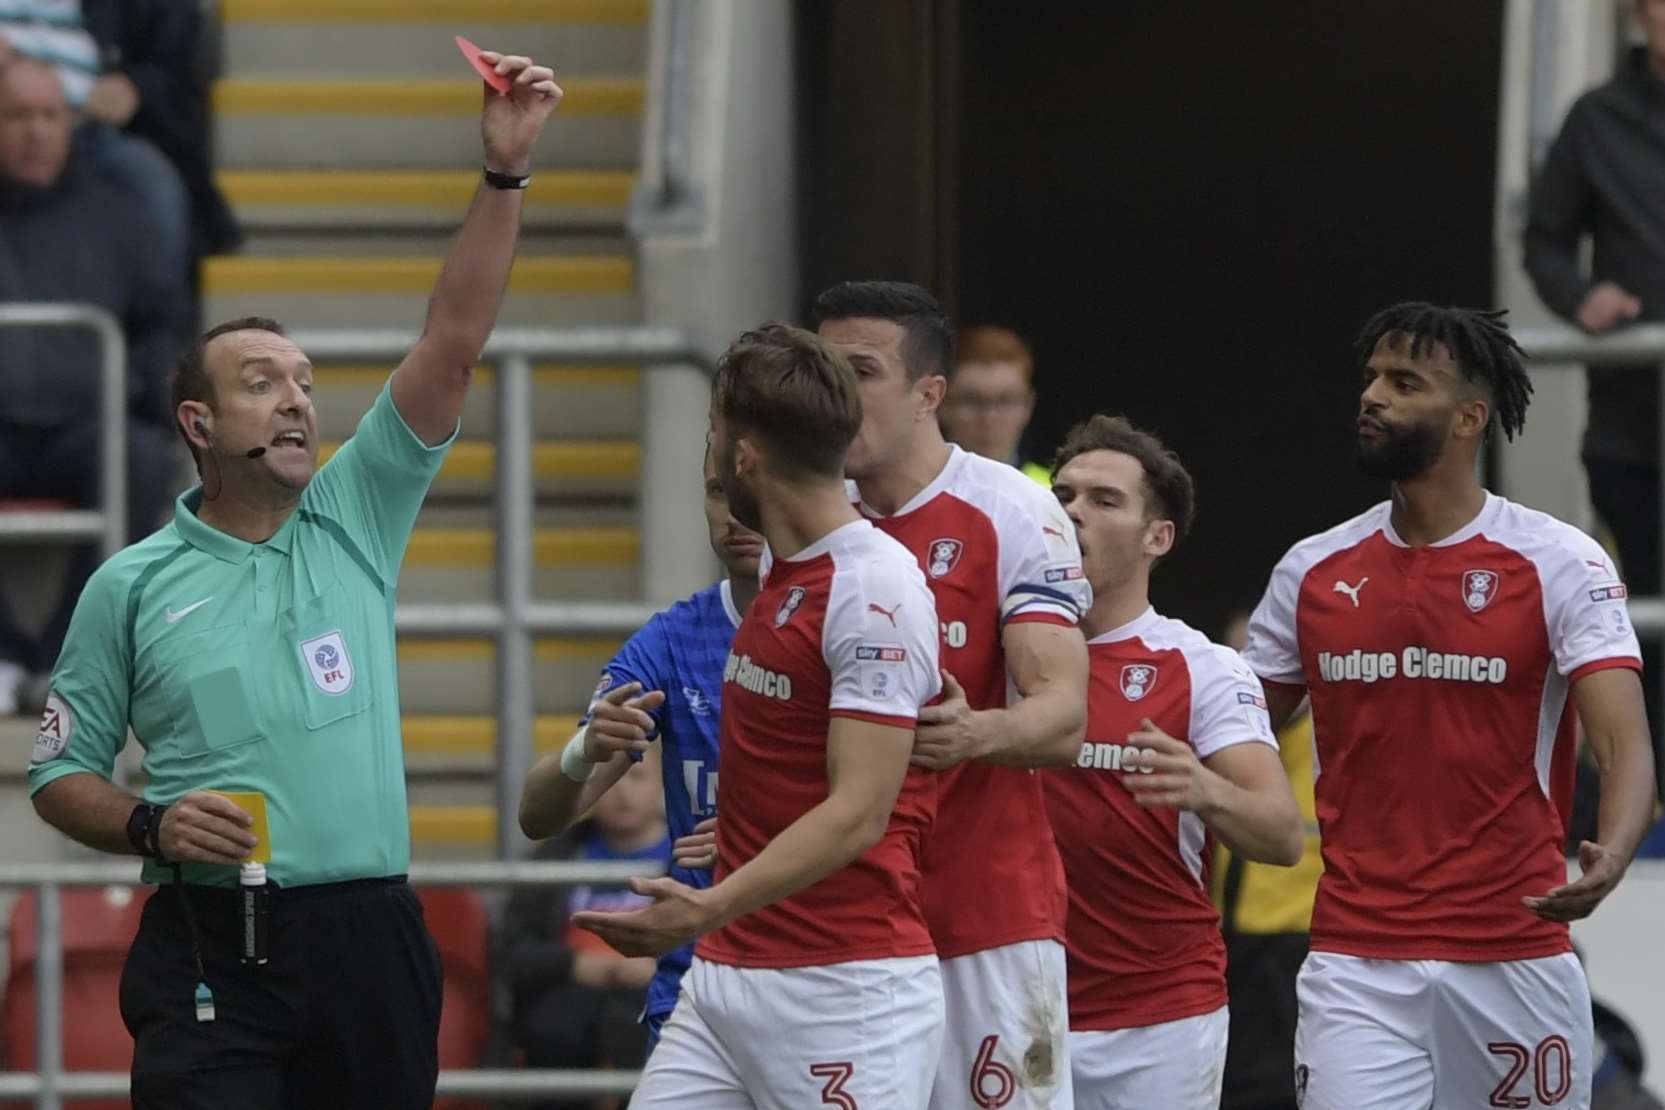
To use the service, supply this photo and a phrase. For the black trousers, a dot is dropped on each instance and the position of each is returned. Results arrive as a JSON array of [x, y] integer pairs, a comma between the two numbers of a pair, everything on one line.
[[1627, 498], [1260, 1045], [344, 1017]]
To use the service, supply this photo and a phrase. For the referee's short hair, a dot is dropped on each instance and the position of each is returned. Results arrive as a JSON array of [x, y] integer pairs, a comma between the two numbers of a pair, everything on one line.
[[794, 393], [190, 373]]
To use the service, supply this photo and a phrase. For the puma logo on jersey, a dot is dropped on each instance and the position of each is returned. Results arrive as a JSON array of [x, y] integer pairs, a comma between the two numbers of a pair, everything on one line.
[[1051, 531], [1351, 591], [174, 616], [887, 614], [1414, 662], [747, 675]]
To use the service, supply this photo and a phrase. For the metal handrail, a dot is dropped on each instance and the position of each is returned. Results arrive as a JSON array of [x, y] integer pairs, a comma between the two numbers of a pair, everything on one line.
[[49, 1085], [108, 523]]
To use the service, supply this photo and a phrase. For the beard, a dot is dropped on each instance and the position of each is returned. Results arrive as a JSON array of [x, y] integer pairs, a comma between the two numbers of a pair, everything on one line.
[[1400, 454]]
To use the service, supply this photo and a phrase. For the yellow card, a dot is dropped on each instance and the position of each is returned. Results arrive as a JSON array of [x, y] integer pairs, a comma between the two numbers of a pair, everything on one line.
[[253, 803]]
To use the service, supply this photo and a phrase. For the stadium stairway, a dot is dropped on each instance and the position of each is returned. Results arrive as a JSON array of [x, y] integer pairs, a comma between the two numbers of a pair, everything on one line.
[[347, 138]]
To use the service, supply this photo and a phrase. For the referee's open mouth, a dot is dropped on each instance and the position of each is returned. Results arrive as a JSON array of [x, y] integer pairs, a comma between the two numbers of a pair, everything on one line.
[[294, 437]]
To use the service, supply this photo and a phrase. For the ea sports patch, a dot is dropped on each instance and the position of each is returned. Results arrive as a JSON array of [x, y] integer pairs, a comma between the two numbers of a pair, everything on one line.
[[57, 725], [328, 662]]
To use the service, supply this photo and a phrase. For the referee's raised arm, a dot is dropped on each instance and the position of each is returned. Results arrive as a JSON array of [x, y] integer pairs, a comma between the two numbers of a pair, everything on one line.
[[429, 386]]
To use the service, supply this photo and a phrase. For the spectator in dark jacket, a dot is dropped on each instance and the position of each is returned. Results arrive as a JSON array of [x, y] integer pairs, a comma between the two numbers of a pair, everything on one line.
[[576, 1000], [67, 235], [1605, 178]]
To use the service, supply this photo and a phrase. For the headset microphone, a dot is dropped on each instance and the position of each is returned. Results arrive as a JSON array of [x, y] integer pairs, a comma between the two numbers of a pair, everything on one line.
[[255, 452]]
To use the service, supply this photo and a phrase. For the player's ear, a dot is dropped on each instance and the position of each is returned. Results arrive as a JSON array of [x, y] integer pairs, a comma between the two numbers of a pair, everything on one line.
[[1159, 538], [932, 388], [1473, 413], [746, 456]]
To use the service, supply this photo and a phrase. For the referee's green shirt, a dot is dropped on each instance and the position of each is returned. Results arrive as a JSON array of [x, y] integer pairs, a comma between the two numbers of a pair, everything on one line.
[[266, 666]]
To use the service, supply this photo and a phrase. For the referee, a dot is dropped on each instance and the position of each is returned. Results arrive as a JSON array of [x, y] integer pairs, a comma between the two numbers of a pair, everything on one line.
[[249, 647]]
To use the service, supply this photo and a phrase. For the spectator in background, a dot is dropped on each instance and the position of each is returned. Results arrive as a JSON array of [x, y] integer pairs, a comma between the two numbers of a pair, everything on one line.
[[1266, 915], [575, 999], [155, 87], [991, 396], [55, 31], [1605, 178], [67, 235]]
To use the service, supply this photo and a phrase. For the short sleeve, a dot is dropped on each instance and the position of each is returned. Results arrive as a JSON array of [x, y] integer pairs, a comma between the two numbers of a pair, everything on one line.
[[1228, 705], [375, 484], [85, 724], [880, 641], [1040, 559], [1273, 651], [1585, 610], [644, 658]]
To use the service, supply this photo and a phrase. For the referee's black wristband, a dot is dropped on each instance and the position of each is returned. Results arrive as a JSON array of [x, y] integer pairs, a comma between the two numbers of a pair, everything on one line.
[[504, 180]]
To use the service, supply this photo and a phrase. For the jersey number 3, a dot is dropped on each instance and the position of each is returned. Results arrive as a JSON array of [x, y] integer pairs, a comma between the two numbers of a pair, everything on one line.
[[836, 1075]]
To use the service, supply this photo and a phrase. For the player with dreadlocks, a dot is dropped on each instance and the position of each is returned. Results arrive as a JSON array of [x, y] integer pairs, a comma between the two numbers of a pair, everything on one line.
[[1447, 637]]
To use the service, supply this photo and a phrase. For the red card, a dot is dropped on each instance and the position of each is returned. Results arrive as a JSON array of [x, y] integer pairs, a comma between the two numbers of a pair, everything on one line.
[[483, 68]]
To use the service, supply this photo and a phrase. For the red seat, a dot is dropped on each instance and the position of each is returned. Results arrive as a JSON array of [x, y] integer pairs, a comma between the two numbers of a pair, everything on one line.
[[98, 929], [461, 928]]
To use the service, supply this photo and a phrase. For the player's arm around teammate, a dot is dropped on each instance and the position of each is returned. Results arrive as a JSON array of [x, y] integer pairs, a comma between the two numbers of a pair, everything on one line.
[[1615, 723]]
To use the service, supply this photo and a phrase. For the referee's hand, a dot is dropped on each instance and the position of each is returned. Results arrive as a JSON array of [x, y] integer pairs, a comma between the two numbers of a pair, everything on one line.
[[205, 828], [620, 722]]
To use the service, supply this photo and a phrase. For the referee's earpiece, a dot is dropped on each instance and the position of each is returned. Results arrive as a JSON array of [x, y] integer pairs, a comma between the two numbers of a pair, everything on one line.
[[202, 429]]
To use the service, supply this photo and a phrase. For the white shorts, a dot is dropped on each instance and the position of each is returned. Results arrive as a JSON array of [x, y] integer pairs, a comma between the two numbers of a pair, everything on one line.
[[858, 1036], [1176, 1065], [1434, 1035], [1006, 1044]]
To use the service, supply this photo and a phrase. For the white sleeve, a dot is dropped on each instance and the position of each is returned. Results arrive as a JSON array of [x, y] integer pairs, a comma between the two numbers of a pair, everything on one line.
[[1040, 560], [1273, 651], [880, 641], [1585, 607], [1228, 705]]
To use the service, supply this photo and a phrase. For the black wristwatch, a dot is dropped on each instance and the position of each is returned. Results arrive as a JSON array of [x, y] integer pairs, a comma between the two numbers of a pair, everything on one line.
[[144, 830]]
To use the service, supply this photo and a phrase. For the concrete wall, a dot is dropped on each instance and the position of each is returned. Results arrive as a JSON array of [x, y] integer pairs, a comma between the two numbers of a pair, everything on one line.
[[728, 263]]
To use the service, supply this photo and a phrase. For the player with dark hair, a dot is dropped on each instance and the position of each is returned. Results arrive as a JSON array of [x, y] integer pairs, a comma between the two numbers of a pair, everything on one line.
[[814, 980], [1446, 637], [1179, 751], [1000, 557]]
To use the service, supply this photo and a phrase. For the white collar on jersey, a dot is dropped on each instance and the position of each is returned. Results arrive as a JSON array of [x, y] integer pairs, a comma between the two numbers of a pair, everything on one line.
[[726, 592], [1493, 505], [1132, 628], [839, 537], [956, 455]]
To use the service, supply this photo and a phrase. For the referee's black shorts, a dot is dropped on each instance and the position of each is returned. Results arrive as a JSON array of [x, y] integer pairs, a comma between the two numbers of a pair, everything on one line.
[[344, 1017]]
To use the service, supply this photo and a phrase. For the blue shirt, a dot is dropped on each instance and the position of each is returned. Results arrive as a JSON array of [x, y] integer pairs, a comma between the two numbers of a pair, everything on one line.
[[681, 651]]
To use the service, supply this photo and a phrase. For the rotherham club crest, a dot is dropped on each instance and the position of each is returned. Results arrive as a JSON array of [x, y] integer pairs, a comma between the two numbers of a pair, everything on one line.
[[945, 556], [794, 598], [1479, 587], [1137, 680]]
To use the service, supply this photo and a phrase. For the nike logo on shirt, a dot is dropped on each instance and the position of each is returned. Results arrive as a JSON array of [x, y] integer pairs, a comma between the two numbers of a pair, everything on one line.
[[172, 616]]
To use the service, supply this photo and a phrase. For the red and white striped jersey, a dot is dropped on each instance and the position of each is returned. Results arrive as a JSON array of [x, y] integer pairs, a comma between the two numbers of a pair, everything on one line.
[[1144, 937], [1444, 734], [846, 628], [997, 549]]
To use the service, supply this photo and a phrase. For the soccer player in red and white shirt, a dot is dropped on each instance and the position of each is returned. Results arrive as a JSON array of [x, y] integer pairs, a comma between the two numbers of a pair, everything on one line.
[[815, 981], [1001, 558], [1179, 750], [1446, 637]]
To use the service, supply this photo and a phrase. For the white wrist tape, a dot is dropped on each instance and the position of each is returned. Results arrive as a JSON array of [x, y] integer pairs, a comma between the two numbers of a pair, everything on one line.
[[575, 764]]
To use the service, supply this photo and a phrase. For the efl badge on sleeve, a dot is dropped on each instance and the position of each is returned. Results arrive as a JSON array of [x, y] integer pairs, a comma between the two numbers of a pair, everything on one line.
[[1137, 680], [794, 598], [945, 556], [1479, 587], [327, 660]]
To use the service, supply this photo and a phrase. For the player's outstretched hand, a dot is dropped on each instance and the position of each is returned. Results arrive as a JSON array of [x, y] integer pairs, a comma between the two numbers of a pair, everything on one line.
[[620, 722], [679, 914], [1602, 872], [1170, 774], [698, 850], [205, 828], [947, 731], [510, 122]]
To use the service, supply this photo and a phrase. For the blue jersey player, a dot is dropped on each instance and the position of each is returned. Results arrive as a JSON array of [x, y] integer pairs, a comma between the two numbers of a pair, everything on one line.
[[664, 685]]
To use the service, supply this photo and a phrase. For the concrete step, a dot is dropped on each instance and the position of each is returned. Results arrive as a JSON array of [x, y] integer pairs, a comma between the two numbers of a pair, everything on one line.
[[370, 292], [568, 402], [597, 468], [455, 677], [291, 200], [363, 38], [281, 123], [460, 564]]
